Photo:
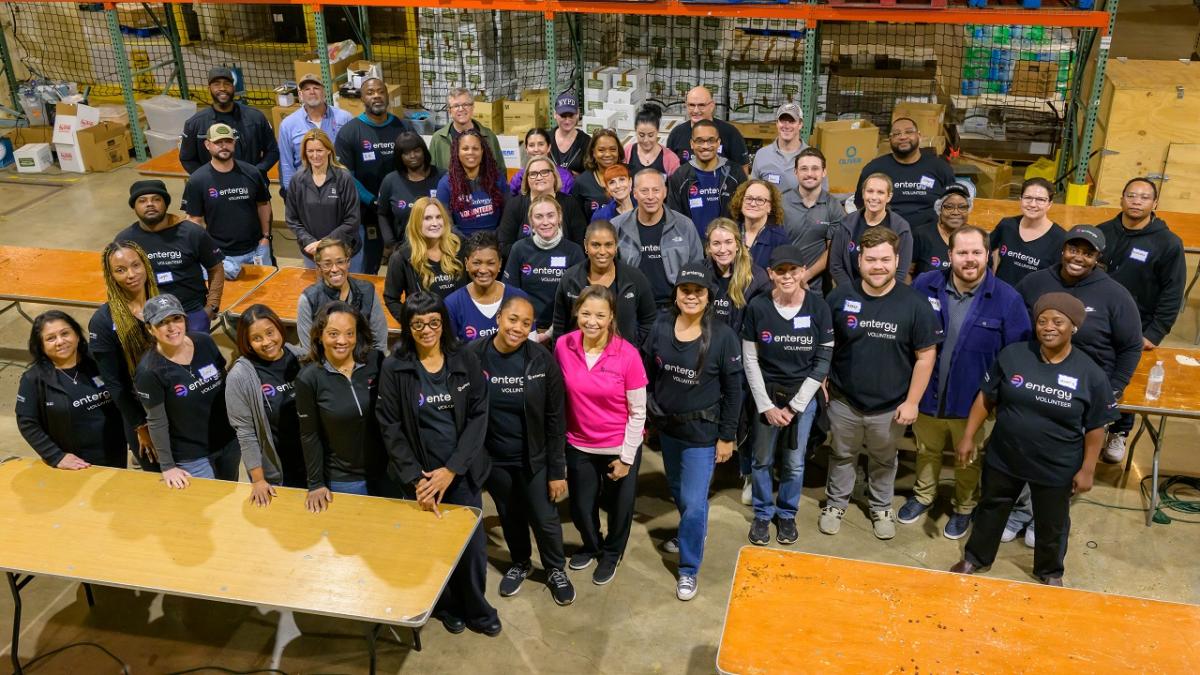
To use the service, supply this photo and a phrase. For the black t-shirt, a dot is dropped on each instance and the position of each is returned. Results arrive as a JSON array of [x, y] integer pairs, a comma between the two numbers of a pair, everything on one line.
[[572, 159], [651, 260], [1043, 411], [397, 194], [590, 193], [915, 187], [929, 251], [682, 384], [538, 271], [877, 339], [1019, 257], [178, 258], [786, 347], [228, 202], [505, 374], [194, 397], [444, 284], [435, 414], [278, 379], [369, 150], [92, 409]]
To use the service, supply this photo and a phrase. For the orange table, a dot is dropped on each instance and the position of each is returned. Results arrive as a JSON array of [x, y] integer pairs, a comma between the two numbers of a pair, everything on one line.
[[282, 293], [167, 164], [1180, 398], [987, 212], [55, 276], [801, 613]]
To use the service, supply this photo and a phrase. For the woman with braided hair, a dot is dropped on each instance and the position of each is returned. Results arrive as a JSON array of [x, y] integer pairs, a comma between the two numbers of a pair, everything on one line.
[[472, 189], [119, 338]]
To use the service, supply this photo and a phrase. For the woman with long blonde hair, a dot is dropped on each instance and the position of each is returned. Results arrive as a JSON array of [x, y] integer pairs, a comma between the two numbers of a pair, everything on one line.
[[428, 261], [322, 201], [738, 279]]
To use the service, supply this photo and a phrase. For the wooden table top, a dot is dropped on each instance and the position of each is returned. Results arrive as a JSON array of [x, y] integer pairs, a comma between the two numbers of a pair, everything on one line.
[[56, 276], [366, 558], [987, 212], [1181, 385], [795, 612], [282, 293], [167, 164]]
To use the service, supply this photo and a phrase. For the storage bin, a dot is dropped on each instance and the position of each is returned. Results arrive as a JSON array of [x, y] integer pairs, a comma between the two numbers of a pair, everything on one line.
[[166, 115], [160, 143]]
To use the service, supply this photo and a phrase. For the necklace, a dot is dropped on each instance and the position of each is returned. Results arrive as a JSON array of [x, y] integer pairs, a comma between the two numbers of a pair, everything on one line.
[[74, 378]]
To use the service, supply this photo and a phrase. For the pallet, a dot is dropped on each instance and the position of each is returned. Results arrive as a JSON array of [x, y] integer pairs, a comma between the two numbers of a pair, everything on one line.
[[891, 4]]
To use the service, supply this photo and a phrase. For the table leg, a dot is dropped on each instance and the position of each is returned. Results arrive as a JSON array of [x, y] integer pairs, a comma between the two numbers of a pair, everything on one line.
[[21, 311], [87, 593], [1157, 436], [1188, 292], [416, 638], [372, 638], [1145, 422], [15, 584]]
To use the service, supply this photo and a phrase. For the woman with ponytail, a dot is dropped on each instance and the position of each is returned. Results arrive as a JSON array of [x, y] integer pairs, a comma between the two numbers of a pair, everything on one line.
[[646, 152]]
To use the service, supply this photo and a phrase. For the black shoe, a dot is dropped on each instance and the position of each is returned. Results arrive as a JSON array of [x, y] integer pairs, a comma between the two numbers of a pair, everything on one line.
[[760, 532], [581, 560], [488, 628], [452, 623], [510, 585], [605, 571], [560, 587], [785, 531]]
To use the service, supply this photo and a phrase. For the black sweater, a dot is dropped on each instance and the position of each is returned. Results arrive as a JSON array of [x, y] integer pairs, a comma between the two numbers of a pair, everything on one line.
[[338, 433], [635, 301], [1150, 264], [545, 408]]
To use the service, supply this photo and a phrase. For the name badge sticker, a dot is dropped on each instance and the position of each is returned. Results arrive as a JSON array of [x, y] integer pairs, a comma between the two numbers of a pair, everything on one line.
[[772, 178], [558, 261], [936, 304], [801, 321], [433, 193], [98, 381], [696, 202], [927, 182], [852, 306], [163, 278], [208, 371], [1068, 381], [1139, 254], [369, 156]]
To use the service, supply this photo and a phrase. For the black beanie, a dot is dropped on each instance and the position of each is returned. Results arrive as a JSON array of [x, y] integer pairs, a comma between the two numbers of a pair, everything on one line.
[[148, 187]]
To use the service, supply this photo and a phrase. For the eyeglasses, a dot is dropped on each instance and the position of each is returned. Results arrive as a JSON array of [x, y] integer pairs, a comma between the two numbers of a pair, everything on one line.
[[333, 264], [706, 141], [461, 106], [956, 207], [1035, 200], [755, 201], [433, 324], [699, 106], [544, 173]]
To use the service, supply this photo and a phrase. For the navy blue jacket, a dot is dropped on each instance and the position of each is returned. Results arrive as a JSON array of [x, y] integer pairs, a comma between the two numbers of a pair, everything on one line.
[[997, 318]]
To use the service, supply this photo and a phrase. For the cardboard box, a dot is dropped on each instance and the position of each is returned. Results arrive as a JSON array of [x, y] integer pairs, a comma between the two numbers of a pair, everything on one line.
[[22, 136], [541, 99], [490, 114], [358, 71], [848, 145], [355, 107], [97, 148], [625, 114], [994, 180], [310, 64], [930, 117], [602, 119], [765, 131], [70, 118], [626, 95], [1034, 78], [520, 114], [33, 157], [279, 112]]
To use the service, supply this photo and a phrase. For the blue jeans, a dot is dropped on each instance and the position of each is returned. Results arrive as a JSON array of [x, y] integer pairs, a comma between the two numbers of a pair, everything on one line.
[[223, 464], [791, 458], [350, 487], [689, 473], [356, 260], [233, 263]]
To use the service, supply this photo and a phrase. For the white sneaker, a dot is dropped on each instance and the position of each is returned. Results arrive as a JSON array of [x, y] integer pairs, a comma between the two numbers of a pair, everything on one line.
[[1114, 449], [1009, 534], [1029, 536], [884, 524], [830, 520], [747, 491]]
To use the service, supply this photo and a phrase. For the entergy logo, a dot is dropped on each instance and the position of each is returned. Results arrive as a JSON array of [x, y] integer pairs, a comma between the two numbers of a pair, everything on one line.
[[181, 390], [693, 191], [766, 336], [366, 144], [1017, 381], [212, 193], [268, 391], [851, 321], [935, 261], [526, 269], [470, 332], [1003, 249]]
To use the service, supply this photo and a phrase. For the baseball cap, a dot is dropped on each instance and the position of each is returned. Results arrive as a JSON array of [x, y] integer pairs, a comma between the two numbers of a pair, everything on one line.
[[785, 255], [1087, 233], [310, 77], [695, 273], [219, 73], [219, 131], [160, 308], [792, 110], [566, 103]]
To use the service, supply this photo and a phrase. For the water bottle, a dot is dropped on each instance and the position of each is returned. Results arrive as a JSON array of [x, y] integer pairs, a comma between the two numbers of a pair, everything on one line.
[[1154, 384]]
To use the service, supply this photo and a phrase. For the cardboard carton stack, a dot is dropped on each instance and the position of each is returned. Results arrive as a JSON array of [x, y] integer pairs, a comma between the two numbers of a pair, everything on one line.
[[848, 145], [84, 143], [439, 57]]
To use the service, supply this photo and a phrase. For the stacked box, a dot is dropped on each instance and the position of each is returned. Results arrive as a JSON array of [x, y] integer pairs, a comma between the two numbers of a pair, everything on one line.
[[438, 56]]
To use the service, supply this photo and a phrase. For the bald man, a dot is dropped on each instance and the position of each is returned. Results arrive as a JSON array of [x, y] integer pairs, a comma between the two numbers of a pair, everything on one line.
[[701, 106]]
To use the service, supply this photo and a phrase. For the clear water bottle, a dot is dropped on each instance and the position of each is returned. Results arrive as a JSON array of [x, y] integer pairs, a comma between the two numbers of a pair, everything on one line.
[[1154, 384]]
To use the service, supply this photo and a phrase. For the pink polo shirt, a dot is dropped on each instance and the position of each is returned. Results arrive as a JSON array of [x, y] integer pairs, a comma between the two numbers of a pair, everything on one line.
[[596, 405]]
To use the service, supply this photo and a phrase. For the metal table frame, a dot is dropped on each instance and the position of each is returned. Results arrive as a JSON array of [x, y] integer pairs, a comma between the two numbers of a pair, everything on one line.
[[1156, 433]]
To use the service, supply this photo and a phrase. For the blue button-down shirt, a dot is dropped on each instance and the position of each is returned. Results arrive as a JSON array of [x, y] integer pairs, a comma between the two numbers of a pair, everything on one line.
[[292, 129]]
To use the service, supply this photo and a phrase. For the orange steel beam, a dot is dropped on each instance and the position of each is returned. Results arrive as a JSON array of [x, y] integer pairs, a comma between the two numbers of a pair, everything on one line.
[[1065, 18]]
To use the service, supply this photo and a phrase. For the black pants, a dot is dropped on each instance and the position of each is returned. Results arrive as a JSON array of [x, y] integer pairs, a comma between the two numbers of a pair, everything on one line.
[[464, 594], [372, 245], [1051, 521], [523, 501], [1123, 425], [591, 490]]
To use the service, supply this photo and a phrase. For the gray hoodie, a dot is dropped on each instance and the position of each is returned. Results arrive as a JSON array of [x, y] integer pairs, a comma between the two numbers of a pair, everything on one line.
[[680, 240], [248, 417]]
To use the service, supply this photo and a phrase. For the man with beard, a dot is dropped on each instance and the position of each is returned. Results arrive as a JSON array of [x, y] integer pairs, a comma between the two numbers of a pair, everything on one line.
[[919, 177], [314, 113], [885, 347], [255, 140], [811, 216], [231, 198], [180, 252], [1145, 257], [981, 315], [701, 106], [367, 147], [462, 107], [931, 245]]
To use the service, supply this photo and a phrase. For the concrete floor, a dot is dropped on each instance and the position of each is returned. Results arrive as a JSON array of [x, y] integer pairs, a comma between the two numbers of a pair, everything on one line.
[[632, 625]]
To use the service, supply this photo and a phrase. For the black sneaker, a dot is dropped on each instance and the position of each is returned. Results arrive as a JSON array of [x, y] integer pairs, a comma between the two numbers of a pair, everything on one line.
[[581, 560], [510, 585], [452, 623], [605, 571], [785, 531], [560, 587], [760, 532]]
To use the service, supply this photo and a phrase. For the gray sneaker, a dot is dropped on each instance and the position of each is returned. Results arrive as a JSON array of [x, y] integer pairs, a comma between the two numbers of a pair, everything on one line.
[[884, 524], [670, 546], [831, 519], [685, 588]]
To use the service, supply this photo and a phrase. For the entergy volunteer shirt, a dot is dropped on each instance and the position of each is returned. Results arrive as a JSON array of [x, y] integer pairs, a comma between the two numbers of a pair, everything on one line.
[[538, 271], [683, 384], [1043, 411], [505, 375], [228, 202], [1017, 257], [178, 256], [193, 395], [876, 343], [435, 414], [786, 347], [278, 379], [704, 199], [474, 212], [651, 260], [930, 251]]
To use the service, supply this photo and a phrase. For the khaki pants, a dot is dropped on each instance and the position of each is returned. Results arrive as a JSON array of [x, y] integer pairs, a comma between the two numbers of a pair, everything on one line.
[[935, 436]]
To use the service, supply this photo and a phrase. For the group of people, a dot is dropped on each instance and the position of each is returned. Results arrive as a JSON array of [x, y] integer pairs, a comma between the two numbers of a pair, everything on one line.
[[679, 294]]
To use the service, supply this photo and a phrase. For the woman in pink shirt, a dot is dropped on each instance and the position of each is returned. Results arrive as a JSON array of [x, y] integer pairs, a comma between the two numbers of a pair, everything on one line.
[[606, 413]]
